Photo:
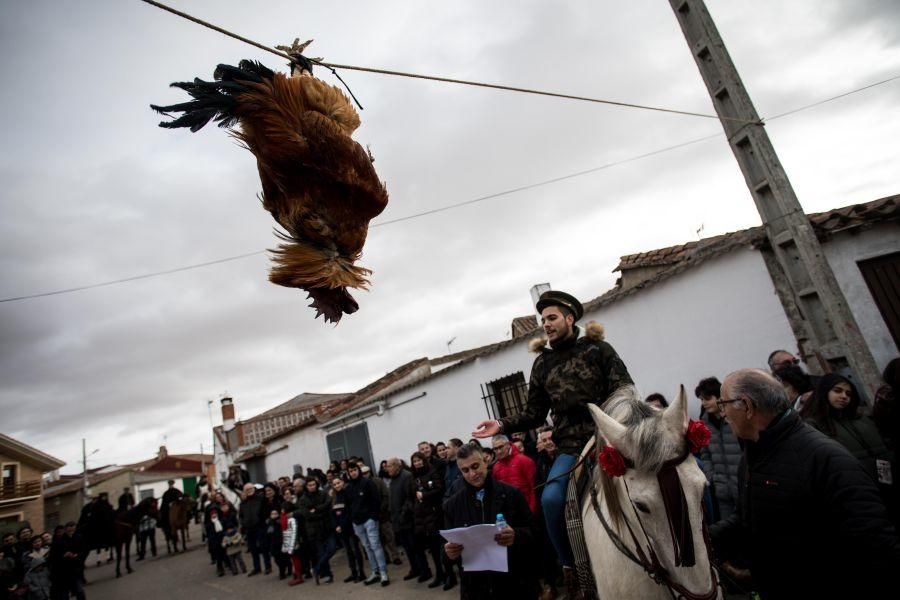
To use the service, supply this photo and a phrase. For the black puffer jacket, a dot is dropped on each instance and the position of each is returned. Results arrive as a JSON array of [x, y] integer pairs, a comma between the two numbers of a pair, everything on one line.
[[463, 509], [810, 519], [564, 380], [721, 461], [427, 514], [315, 510]]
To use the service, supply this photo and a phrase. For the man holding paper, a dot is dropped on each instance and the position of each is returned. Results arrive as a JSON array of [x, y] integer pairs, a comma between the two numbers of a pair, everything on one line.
[[479, 502]]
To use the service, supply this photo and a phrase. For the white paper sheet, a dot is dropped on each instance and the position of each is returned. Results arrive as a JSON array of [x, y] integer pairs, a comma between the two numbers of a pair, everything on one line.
[[480, 551]]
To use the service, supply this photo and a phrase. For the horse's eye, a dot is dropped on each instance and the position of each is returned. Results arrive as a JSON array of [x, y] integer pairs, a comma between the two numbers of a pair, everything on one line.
[[642, 507]]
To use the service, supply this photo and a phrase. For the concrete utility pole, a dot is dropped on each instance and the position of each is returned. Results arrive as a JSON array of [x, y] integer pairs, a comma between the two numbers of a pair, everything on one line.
[[822, 323]]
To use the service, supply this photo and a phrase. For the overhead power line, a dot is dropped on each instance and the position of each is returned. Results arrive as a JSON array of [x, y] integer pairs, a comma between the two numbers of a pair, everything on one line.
[[495, 86], [435, 210]]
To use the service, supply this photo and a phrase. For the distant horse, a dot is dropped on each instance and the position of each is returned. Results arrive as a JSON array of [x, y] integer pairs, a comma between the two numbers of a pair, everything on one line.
[[179, 517], [126, 525], [644, 528]]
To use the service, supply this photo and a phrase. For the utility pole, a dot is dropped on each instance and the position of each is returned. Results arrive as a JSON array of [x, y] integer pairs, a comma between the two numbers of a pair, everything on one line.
[[823, 323]]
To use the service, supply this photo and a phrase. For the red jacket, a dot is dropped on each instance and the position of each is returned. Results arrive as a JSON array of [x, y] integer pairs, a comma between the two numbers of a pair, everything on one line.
[[518, 471]]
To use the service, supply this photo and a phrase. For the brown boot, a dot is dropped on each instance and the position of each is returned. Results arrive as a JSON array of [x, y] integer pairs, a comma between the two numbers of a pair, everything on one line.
[[573, 590]]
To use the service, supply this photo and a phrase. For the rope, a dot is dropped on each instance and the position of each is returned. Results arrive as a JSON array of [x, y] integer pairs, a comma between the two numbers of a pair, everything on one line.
[[333, 66]]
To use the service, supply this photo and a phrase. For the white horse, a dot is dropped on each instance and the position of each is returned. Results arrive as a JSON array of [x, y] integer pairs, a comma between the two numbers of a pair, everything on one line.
[[642, 545]]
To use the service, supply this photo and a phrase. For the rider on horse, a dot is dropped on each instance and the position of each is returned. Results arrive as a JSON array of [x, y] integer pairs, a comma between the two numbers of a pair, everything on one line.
[[568, 374]]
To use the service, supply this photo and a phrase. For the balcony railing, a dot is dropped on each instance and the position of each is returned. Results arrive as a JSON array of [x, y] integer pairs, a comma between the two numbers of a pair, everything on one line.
[[21, 490]]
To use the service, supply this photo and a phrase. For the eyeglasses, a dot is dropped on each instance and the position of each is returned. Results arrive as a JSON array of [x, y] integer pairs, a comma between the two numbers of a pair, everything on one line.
[[721, 403], [792, 362]]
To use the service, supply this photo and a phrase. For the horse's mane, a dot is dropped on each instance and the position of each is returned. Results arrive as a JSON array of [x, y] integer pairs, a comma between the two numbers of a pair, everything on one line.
[[650, 446]]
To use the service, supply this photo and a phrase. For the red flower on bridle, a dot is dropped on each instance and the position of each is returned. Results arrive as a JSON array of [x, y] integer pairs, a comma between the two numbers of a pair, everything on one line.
[[611, 461], [697, 435]]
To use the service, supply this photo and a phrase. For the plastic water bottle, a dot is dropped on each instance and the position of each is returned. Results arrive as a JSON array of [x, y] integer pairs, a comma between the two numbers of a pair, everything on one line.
[[501, 522]]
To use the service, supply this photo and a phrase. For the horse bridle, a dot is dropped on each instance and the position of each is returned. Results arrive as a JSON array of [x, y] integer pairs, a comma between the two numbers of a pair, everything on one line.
[[648, 560]]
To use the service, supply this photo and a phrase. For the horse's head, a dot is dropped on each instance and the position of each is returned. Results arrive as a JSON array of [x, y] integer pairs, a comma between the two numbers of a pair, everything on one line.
[[656, 505]]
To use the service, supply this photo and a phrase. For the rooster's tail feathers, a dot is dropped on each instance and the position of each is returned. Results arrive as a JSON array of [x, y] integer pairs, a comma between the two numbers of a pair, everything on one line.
[[214, 100]]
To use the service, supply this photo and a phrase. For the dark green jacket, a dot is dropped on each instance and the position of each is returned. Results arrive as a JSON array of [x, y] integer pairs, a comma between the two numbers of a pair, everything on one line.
[[564, 380]]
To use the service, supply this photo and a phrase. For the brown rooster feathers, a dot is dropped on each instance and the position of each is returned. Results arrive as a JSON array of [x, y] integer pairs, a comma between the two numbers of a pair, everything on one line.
[[317, 183]]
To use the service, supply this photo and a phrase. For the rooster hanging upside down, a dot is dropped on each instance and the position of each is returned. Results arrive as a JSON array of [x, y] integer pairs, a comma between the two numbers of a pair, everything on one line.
[[317, 183]]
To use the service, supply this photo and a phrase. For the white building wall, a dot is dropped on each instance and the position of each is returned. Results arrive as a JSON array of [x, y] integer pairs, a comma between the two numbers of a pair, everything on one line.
[[843, 252], [305, 447], [158, 487], [452, 406], [707, 321]]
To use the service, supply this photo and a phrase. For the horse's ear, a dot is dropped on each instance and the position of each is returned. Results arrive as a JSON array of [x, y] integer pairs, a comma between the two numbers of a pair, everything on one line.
[[675, 416], [611, 430]]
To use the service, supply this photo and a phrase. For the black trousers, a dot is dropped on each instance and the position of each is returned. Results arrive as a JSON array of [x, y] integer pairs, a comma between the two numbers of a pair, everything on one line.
[[143, 537]]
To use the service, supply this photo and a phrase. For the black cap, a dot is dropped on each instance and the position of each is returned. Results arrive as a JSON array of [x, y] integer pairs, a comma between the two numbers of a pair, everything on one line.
[[562, 299]]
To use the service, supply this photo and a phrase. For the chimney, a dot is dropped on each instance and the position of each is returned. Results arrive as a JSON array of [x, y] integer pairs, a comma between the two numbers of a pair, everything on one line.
[[163, 452], [536, 291], [227, 415], [239, 431]]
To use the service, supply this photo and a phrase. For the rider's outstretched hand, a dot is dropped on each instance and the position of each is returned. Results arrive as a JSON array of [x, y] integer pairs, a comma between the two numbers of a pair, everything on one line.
[[486, 429]]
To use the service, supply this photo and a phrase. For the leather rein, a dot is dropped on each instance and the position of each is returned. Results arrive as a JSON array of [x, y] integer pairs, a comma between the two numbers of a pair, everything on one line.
[[648, 560]]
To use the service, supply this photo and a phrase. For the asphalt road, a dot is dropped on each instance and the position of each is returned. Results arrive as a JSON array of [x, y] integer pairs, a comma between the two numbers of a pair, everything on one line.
[[190, 576]]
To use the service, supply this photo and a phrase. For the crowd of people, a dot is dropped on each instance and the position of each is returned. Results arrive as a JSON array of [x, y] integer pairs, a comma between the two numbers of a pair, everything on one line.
[[801, 497], [41, 566]]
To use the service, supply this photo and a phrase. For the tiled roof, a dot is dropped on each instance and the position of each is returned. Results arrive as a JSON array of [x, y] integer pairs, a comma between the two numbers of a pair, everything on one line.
[[32, 455], [664, 263], [523, 325], [303, 401], [370, 392], [824, 223]]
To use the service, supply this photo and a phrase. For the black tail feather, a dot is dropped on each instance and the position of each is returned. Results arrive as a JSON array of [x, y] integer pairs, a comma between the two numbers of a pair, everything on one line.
[[213, 100]]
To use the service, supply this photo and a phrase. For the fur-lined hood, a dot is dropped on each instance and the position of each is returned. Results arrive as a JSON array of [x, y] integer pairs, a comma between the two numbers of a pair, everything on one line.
[[592, 330]]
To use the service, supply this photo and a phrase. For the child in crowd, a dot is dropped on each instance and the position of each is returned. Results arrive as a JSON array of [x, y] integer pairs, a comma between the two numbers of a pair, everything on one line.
[[274, 539], [232, 544]]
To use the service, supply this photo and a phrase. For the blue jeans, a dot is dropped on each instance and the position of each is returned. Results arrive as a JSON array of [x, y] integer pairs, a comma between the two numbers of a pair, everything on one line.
[[324, 550], [368, 535], [553, 501]]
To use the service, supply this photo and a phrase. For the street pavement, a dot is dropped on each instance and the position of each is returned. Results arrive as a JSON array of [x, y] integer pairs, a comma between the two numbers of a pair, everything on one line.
[[190, 576]]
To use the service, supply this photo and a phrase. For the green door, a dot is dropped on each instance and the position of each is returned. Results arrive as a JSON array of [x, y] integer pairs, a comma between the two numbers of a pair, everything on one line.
[[190, 486]]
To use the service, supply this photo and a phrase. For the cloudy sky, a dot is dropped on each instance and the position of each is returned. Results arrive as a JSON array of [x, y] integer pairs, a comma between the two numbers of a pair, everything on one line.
[[94, 191]]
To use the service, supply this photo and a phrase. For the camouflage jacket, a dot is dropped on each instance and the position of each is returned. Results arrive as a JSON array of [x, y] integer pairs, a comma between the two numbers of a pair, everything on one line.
[[563, 381]]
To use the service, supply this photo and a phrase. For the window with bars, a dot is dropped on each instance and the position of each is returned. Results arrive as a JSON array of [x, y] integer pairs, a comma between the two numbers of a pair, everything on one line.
[[506, 396]]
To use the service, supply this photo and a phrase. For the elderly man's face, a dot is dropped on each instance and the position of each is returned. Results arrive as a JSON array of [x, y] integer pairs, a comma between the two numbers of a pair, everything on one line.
[[734, 410], [501, 449], [392, 468], [249, 490]]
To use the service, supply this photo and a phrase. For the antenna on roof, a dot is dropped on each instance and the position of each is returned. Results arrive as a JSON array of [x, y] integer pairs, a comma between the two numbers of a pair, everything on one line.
[[450, 341], [700, 231]]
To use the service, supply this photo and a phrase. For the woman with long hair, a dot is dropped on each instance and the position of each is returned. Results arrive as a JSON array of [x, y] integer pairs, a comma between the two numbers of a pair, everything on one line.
[[834, 409]]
